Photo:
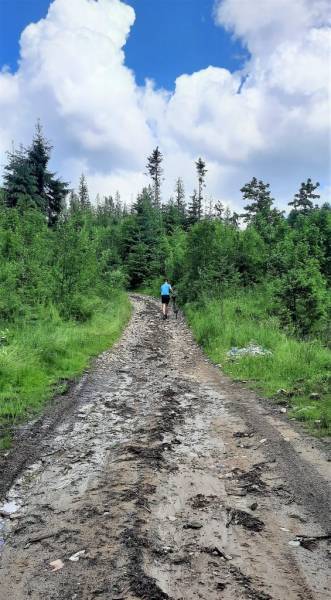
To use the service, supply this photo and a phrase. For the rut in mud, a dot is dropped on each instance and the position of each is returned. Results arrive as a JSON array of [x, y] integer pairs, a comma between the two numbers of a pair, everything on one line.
[[170, 480]]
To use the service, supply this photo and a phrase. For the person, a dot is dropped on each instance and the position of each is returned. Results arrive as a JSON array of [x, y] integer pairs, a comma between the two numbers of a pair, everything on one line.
[[165, 297]]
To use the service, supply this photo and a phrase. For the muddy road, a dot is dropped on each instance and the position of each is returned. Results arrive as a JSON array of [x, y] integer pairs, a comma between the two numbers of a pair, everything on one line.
[[168, 480]]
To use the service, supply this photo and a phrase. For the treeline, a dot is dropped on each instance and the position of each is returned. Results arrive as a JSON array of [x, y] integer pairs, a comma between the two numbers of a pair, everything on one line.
[[58, 248], [53, 253]]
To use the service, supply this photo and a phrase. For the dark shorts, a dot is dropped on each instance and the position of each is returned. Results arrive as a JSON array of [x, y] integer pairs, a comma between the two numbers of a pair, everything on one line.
[[165, 299]]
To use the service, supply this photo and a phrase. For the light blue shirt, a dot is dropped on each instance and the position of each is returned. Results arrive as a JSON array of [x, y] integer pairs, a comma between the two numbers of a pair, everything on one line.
[[165, 289]]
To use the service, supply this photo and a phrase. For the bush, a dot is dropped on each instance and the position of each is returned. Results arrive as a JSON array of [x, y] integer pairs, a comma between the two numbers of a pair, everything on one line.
[[117, 279], [79, 308], [301, 299]]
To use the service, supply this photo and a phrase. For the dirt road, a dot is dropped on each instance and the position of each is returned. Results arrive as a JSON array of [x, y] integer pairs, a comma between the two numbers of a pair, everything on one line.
[[172, 481]]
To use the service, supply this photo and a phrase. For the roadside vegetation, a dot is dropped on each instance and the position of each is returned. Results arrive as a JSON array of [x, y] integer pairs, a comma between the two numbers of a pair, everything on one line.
[[260, 277], [40, 357], [295, 376], [62, 298]]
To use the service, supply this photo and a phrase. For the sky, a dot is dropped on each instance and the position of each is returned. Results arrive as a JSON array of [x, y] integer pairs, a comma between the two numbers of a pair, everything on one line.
[[243, 83]]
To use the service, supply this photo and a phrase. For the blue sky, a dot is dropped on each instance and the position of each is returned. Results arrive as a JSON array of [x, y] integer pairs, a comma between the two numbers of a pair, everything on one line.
[[169, 37], [88, 88]]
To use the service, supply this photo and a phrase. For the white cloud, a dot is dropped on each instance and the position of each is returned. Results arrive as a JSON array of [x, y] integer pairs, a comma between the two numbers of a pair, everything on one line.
[[271, 120], [72, 75], [263, 24]]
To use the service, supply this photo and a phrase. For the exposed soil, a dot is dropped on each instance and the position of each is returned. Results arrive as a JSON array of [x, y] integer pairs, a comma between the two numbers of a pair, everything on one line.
[[175, 482]]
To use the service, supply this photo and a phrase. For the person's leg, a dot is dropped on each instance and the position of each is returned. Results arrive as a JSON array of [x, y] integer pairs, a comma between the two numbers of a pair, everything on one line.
[[166, 308], [163, 308]]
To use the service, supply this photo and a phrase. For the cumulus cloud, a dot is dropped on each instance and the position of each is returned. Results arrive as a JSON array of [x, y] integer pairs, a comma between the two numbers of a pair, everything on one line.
[[72, 75], [270, 120]]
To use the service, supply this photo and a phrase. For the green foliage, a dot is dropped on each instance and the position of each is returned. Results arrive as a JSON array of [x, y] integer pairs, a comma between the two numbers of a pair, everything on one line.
[[83, 195], [200, 166], [155, 170], [29, 184], [303, 199], [20, 186], [298, 367], [67, 261], [302, 298], [44, 352], [194, 212]]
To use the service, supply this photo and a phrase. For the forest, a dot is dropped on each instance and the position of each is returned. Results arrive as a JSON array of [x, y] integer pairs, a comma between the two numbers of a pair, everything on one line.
[[67, 261]]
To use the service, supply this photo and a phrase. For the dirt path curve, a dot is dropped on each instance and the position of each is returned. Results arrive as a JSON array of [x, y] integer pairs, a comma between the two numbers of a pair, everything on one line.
[[176, 482]]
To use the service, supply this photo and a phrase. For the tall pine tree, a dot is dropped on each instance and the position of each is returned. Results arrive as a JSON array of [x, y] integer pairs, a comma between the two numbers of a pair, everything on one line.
[[51, 191], [20, 185], [194, 209], [83, 193], [154, 168], [260, 201], [201, 172], [303, 199], [180, 199]]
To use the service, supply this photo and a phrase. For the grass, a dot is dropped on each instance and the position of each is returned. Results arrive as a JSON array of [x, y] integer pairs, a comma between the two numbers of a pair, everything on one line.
[[300, 368], [39, 357]]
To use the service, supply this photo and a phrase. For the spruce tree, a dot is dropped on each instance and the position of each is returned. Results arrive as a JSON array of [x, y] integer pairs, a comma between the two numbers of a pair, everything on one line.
[[51, 191], [180, 199], [56, 194], [201, 171], [194, 209], [39, 154], [154, 168], [83, 193], [20, 185]]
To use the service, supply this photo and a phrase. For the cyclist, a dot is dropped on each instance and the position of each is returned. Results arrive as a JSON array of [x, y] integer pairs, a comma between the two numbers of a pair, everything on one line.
[[165, 297]]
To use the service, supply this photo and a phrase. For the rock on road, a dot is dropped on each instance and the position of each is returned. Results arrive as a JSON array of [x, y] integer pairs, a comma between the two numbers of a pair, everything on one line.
[[169, 480]]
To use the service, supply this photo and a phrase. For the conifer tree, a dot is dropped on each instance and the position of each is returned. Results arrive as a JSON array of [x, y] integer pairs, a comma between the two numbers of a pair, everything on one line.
[[83, 193], [56, 194], [154, 168], [201, 171], [39, 154], [258, 193], [51, 191], [180, 198], [73, 202], [20, 185], [118, 205], [194, 209], [109, 205], [303, 199]]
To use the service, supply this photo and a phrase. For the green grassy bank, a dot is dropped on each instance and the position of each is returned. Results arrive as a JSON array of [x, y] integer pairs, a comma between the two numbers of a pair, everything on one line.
[[299, 368], [37, 358]]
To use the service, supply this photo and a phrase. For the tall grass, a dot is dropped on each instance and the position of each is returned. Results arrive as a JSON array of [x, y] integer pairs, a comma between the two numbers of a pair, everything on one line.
[[37, 358], [297, 367]]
